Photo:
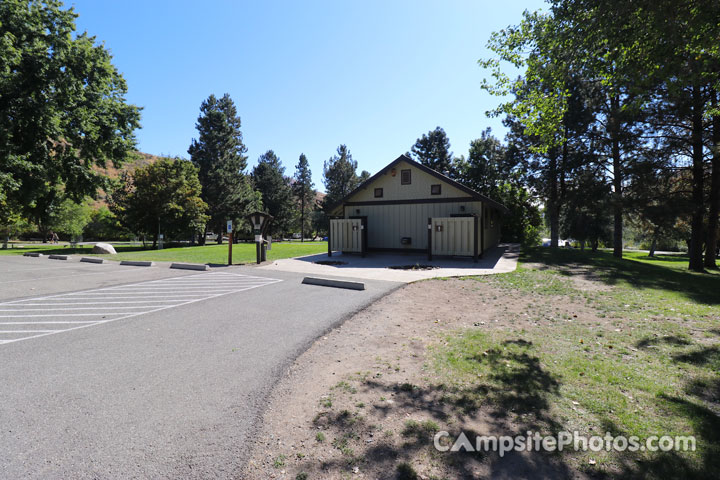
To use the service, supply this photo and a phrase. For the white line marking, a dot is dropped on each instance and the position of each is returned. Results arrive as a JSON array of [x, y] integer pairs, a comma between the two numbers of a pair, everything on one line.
[[152, 289], [66, 315], [29, 331], [139, 295], [206, 282], [46, 323], [66, 276], [125, 315], [91, 303], [64, 267], [68, 308]]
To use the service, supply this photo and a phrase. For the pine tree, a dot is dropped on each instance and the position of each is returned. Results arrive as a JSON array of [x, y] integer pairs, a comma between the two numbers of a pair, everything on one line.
[[303, 189], [219, 155], [268, 178], [339, 177], [433, 150]]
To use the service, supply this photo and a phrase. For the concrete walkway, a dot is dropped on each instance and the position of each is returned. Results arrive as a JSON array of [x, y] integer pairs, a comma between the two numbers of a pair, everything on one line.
[[375, 266]]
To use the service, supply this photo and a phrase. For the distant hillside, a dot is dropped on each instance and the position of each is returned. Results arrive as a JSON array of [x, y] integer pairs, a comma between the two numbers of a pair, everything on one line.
[[114, 173], [129, 166]]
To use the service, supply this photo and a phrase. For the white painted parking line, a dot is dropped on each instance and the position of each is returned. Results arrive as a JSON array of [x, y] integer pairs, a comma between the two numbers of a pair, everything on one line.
[[25, 331], [65, 276], [43, 323], [170, 302], [63, 309], [103, 294], [135, 299], [63, 315]]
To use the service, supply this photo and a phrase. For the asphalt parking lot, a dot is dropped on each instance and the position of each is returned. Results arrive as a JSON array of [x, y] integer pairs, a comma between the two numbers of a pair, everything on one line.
[[165, 376]]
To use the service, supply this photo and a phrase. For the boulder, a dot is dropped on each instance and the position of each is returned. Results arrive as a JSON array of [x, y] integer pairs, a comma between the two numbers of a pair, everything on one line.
[[104, 248]]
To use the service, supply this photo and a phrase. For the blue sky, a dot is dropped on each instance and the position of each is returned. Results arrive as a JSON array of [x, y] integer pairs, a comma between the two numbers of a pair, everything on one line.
[[306, 76]]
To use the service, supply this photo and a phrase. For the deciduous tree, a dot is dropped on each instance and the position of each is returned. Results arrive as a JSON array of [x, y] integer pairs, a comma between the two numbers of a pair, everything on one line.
[[62, 110], [162, 197]]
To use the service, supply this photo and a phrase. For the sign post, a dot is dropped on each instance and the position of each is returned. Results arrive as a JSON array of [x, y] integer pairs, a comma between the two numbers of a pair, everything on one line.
[[230, 241], [259, 223]]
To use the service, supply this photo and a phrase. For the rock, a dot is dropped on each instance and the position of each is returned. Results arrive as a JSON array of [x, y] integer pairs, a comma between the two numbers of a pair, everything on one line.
[[104, 248]]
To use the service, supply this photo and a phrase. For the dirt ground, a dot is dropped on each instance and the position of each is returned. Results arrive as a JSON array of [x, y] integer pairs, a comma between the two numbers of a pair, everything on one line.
[[364, 402]]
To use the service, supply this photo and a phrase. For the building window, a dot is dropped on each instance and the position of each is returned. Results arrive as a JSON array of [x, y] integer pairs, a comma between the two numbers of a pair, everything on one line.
[[378, 193], [405, 177], [435, 189]]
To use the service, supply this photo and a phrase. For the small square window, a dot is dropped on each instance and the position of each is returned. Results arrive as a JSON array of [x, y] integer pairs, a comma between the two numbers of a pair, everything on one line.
[[435, 189], [405, 178], [378, 193]]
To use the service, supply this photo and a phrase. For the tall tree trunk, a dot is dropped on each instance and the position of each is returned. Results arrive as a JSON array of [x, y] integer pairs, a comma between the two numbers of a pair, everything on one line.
[[220, 228], [698, 206], [302, 217], [617, 204], [653, 244], [711, 242], [553, 202], [617, 178], [201, 242]]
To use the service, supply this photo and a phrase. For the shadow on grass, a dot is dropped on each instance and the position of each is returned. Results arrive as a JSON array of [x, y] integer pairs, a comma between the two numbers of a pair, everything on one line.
[[679, 259], [706, 429], [667, 340], [671, 464], [706, 356], [518, 387], [602, 266], [700, 408]]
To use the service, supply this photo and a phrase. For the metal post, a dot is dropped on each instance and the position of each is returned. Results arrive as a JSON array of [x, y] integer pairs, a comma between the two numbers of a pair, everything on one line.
[[363, 236], [482, 232], [429, 239], [257, 252], [230, 242], [329, 238], [475, 241]]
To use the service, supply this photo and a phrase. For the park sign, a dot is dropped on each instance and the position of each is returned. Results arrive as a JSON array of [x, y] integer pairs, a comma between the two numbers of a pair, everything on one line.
[[259, 222]]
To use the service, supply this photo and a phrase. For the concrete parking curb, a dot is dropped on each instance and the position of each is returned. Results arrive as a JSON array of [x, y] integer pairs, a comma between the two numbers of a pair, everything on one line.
[[92, 260], [58, 257], [190, 266], [326, 282], [137, 264], [32, 254]]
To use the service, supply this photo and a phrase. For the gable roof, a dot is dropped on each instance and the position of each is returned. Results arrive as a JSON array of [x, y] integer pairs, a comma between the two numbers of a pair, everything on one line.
[[444, 178]]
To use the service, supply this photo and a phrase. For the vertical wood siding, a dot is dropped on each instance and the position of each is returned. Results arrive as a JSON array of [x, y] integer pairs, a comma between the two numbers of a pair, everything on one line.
[[388, 224], [453, 236], [346, 235]]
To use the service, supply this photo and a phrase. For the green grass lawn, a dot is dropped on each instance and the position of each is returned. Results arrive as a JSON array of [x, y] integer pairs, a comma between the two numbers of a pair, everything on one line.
[[209, 254], [630, 347]]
